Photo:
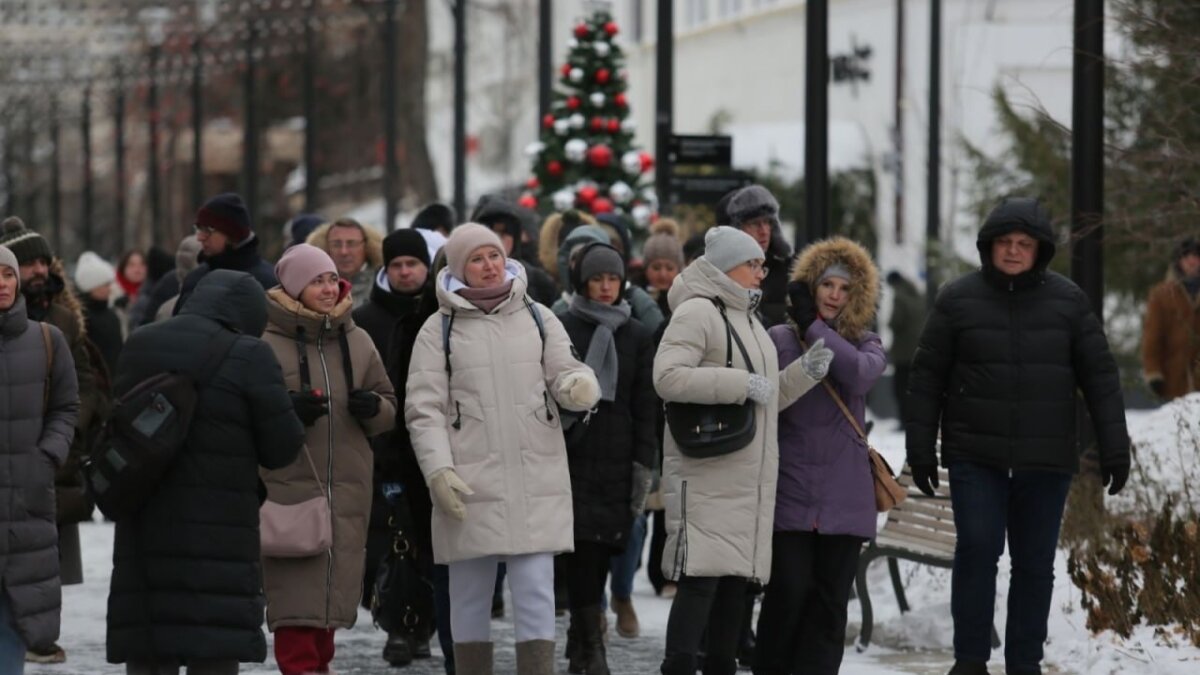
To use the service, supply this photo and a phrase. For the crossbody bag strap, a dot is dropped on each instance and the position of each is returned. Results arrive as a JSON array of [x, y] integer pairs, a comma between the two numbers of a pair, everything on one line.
[[837, 398], [731, 336], [313, 465]]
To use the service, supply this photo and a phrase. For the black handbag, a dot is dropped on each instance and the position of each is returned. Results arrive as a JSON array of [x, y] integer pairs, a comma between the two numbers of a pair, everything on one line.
[[703, 430], [402, 595]]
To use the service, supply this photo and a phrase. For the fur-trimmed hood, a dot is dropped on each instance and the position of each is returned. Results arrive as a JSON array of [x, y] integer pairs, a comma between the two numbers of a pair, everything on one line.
[[320, 239], [550, 239], [859, 313]]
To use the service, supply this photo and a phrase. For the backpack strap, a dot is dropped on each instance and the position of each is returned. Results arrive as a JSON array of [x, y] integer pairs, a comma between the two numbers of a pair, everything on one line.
[[541, 326], [49, 344], [448, 325]]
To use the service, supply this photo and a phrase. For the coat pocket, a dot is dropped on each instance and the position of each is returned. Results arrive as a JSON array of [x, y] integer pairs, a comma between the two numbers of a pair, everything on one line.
[[543, 409], [469, 438]]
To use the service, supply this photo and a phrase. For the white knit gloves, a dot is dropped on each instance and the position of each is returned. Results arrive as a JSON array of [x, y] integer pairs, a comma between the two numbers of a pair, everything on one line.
[[759, 389], [816, 360], [446, 486], [578, 390]]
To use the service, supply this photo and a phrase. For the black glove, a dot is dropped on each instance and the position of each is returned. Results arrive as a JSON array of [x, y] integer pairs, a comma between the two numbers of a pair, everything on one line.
[[1158, 387], [925, 477], [363, 404], [802, 306], [1116, 474], [310, 405]]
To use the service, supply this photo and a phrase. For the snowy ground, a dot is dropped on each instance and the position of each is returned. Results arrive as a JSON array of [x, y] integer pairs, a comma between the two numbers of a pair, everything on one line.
[[916, 642]]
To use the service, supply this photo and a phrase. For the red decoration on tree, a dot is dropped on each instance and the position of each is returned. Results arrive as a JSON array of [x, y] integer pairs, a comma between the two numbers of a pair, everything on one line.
[[603, 75], [587, 195], [597, 124], [621, 101], [528, 201], [532, 183], [602, 205], [600, 156], [573, 103], [614, 125], [647, 161], [554, 168], [566, 69], [548, 121], [611, 28], [582, 30]]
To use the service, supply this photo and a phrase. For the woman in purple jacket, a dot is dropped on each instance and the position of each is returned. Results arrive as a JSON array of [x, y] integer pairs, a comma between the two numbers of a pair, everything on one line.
[[825, 504]]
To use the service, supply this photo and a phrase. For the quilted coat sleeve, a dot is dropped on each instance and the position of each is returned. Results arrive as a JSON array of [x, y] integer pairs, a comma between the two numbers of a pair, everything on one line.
[[426, 396], [678, 375], [645, 405], [62, 409], [927, 382], [278, 433], [1100, 380], [560, 359]]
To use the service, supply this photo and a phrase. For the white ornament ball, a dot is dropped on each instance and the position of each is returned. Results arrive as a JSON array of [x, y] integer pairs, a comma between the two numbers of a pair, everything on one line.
[[576, 121], [576, 75], [597, 99], [632, 162], [651, 197], [575, 149], [561, 127], [572, 43], [641, 215], [620, 192], [602, 49], [628, 125], [535, 148], [563, 199]]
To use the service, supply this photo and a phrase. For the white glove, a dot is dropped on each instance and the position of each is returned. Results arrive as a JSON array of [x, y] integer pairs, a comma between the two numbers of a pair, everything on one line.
[[816, 360], [759, 389], [579, 391], [445, 486]]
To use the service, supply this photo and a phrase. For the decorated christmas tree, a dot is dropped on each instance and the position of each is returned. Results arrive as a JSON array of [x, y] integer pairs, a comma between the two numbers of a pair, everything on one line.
[[586, 158]]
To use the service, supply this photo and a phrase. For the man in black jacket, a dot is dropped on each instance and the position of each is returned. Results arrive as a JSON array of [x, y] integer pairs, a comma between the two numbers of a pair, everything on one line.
[[227, 242], [997, 369], [187, 577]]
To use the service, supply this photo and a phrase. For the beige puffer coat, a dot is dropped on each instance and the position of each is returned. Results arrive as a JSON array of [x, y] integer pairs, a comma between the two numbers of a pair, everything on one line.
[[323, 591], [493, 419], [720, 510]]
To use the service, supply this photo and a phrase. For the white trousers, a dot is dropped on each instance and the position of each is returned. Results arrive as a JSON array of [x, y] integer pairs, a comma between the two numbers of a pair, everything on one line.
[[531, 580]]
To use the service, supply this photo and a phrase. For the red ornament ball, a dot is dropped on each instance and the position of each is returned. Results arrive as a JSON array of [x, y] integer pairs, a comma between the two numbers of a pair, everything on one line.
[[582, 31], [647, 161], [611, 28], [532, 183], [573, 102], [587, 195], [600, 156], [603, 75], [621, 101], [597, 124], [614, 125], [548, 121], [554, 168], [528, 201], [565, 70], [602, 205]]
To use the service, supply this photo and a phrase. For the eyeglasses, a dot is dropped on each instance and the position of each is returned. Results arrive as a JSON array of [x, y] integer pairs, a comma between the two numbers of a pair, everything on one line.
[[349, 245], [203, 230], [758, 268]]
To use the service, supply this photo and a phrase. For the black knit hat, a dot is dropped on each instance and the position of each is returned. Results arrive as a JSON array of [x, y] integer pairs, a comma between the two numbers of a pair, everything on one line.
[[1186, 247], [436, 216], [227, 214], [26, 244], [405, 242]]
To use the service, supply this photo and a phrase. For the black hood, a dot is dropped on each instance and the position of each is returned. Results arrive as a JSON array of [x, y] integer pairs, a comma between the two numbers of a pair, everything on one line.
[[232, 299], [492, 211], [240, 258], [622, 227], [1017, 214]]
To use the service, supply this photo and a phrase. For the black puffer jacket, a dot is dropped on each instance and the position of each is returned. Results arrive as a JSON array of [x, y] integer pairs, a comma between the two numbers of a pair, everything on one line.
[[245, 258], [601, 453], [1001, 359], [187, 581]]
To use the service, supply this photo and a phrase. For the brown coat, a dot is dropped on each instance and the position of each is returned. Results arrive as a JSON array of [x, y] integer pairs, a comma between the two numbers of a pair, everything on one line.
[[1171, 338], [323, 591]]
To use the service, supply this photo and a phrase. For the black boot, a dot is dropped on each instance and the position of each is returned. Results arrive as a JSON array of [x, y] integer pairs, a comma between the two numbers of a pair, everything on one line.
[[678, 664], [968, 668], [594, 657], [398, 650], [719, 665], [574, 650]]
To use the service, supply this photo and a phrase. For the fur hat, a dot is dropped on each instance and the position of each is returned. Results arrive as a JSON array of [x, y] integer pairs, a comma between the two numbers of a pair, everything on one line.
[[92, 272], [301, 264], [750, 203], [727, 247], [819, 257], [26, 244], [463, 240]]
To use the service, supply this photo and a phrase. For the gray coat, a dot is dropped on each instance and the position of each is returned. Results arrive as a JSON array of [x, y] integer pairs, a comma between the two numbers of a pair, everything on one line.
[[33, 444]]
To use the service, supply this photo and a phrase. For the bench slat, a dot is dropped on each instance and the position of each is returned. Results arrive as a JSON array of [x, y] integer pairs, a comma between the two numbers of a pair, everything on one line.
[[923, 507], [923, 548], [921, 533]]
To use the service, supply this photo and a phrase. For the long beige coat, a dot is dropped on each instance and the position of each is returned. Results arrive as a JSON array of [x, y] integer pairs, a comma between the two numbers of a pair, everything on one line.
[[720, 511], [323, 591], [495, 422]]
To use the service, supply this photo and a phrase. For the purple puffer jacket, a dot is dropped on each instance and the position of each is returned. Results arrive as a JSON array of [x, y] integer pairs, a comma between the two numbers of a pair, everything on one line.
[[824, 475]]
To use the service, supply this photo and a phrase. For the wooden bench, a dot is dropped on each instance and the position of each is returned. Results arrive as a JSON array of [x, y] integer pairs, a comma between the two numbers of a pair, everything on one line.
[[920, 530]]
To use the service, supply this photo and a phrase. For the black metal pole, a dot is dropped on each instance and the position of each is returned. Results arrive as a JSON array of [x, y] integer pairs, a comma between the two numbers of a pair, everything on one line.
[[119, 169], [1087, 153], [250, 128], [816, 121], [933, 175], [545, 58], [460, 108], [85, 131], [664, 104], [390, 167], [155, 204], [310, 112], [197, 122], [898, 131], [55, 179], [29, 175], [7, 167]]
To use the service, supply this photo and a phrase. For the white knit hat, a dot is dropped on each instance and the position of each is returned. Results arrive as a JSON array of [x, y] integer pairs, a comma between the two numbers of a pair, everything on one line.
[[92, 272]]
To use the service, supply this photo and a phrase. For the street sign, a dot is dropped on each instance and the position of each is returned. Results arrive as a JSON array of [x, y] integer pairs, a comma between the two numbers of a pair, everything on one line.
[[701, 150], [707, 189]]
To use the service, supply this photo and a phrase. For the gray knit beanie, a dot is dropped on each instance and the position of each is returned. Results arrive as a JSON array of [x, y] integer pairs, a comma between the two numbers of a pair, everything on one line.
[[9, 259], [727, 247], [663, 247], [599, 259]]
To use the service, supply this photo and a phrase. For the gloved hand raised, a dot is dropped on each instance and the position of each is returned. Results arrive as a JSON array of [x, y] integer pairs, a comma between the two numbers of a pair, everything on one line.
[[363, 404], [445, 486], [817, 359], [310, 405], [802, 305], [925, 477]]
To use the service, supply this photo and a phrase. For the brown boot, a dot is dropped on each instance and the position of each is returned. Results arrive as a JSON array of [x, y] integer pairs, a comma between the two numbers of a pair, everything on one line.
[[627, 620], [534, 657], [474, 658]]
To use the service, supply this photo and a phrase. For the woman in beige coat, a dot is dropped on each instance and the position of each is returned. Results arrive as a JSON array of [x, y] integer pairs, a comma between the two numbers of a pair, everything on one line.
[[342, 393], [486, 374], [720, 510]]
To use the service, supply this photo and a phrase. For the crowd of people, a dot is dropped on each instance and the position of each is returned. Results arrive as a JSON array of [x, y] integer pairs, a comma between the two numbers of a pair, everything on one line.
[[494, 395]]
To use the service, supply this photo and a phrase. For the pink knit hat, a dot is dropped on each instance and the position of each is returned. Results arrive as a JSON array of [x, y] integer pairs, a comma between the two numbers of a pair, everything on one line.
[[301, 264], [463, 241]]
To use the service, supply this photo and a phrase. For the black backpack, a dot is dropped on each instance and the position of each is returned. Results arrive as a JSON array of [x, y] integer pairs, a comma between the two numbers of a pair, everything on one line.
[[147, 427]]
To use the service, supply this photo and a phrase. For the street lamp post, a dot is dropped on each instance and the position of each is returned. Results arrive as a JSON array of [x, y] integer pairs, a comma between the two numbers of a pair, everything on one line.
[[460, 108], [816, 121], [311, 177], [119, 151], [933, 175], [390, 167], [85, 131], [154, 21], [250, 129]]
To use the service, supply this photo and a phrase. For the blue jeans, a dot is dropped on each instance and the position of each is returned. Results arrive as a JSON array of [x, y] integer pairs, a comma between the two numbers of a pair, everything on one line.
[[624, 565], [12, 647], [989, 504]]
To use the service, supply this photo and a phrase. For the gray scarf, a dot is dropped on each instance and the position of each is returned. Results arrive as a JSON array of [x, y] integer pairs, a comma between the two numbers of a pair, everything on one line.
[[602, 352]]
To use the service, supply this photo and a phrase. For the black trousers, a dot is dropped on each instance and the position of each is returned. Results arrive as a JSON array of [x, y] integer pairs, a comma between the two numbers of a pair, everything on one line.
[[802, 624], [715, 603], [658, 540], [587, 569]]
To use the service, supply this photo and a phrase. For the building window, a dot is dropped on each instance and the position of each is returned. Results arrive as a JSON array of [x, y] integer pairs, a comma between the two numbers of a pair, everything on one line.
[[695, 13], [728, 8], [636, 21]]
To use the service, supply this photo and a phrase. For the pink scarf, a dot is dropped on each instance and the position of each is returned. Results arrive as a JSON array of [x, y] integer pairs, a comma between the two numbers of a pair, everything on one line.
[[487, 299]]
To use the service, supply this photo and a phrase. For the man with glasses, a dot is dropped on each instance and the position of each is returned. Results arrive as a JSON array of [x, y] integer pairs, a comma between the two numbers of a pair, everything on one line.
[[227, 242], [357, 251], [755, 211]]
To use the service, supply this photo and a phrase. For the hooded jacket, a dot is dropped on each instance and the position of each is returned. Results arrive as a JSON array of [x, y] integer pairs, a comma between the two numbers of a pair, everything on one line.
[[1171, 337], [322, 591], [362, 282], [34, 441], [1000, 360], [720, 511], [825, 482], [244, 258], [493, 419], [187, 578]]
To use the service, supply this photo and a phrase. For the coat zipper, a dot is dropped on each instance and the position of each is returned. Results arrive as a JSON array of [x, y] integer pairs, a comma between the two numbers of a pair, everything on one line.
[[1014, 385], [325, 325], [681, 542]]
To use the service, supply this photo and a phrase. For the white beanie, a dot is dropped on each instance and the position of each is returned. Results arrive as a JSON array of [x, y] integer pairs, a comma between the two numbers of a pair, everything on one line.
[[92, 272], [727, 247]]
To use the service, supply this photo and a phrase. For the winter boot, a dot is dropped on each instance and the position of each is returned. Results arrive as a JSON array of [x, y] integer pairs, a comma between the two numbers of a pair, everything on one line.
[[420, 647], [678, 664], [534, 657], [627, 619], [595, 660], [51, 653], [719, 665], [574, 650], [474, 658], [397, 651], [962, 667]]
